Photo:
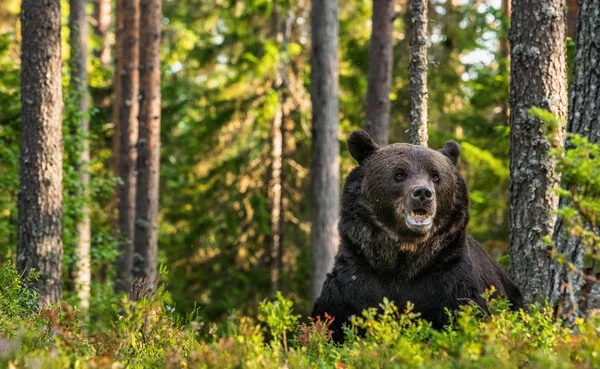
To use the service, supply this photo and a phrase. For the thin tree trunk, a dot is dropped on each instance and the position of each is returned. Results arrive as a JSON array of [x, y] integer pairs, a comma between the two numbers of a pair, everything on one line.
[[325, 183], [146, 224], [569, 291], [278, 136], [504, 47], [285, 152], [101, 27], [79, 80], [39, 244], [538, 79], [117, 97], [418, 73], [116, 138], [504, 51], [276, 187], [572, 19], [128, 135], [379, 79]]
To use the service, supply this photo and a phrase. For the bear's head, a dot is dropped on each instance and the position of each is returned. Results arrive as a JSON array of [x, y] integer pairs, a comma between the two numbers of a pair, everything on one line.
[[412, 192]]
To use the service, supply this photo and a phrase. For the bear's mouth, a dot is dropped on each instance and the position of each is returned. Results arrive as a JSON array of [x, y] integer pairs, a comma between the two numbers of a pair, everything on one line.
[[419, 219]]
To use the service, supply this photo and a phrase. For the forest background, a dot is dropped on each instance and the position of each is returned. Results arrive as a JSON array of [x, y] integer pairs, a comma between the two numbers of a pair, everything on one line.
[[219, 65]]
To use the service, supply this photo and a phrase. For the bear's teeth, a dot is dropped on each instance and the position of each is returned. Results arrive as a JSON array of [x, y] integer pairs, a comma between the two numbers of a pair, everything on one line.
[[419, 219]]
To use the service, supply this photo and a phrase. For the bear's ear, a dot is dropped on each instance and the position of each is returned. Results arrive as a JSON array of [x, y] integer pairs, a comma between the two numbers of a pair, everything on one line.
[[361, 145], [451, 150]]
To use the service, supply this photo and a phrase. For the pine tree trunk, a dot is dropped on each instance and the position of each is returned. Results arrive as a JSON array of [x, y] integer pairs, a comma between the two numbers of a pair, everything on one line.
[[504, 51], [146, 224], [379, 79], [504, 47], [282, 31], [572, 19], [116, 138], [128, 135], [418, 73], [325, 184], [538, 78], [39, 244], [101, 27], [275, 192], [79, 81], [569, 291]]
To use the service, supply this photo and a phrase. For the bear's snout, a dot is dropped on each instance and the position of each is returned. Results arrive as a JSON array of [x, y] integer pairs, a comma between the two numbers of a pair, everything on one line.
[[422, 195], [419, 211]]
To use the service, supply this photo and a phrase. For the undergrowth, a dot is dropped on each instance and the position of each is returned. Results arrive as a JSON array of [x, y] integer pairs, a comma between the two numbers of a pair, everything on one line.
[[149, 334]]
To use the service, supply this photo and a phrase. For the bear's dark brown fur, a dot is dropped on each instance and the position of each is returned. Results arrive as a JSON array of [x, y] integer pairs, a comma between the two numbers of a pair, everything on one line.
[[405, 210]]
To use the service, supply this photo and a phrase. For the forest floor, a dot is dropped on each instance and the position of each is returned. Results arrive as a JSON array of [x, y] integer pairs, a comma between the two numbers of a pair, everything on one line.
[[118, 333]]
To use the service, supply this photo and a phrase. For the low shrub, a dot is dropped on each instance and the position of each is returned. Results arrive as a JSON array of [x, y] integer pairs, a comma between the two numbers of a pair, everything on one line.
[[149, 334]]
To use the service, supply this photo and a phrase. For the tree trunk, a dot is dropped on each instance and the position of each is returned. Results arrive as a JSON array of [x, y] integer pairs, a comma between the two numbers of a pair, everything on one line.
[[282, 31], [39, 244], [504, 47], [79, 80], [101, 27], [379, 79], [569, 290], [538, 79], [276, 189], [128, 135], [325, 184], [146, 224], [418, 73], [504, 51], [116, 137], [572, 19]]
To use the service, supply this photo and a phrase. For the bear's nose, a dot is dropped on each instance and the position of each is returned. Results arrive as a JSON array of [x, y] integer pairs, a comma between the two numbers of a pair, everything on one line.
[[422, 194]]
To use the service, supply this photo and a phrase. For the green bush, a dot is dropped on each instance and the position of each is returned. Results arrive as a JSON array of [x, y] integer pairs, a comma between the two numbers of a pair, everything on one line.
[[147, 334]]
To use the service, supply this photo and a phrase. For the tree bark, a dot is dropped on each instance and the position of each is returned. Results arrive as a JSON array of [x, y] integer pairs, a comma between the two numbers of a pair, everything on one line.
[[418, 73], [325, 184], [504, 47], [101, 27], [148, 161], [538, 78], [276, 192], [569, 291], [116, 138], [379, 79], [504, 51], [128, 135], [39, 244], [79, 81], [282, 31], [572, 19]]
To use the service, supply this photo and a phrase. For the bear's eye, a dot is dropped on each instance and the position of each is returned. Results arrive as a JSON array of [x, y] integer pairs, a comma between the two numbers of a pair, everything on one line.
[[400, 175], [435, 177]]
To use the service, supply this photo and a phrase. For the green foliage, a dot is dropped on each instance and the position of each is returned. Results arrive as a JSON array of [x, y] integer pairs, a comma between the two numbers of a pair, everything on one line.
[[219, 98], [551, 125], [219, 95], [100, 188], [9, 146], [15, 301], [579, 165], [147, 334], [279, 317]]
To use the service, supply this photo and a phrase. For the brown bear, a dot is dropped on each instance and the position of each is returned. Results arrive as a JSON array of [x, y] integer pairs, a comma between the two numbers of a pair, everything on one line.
[[403, 236]]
